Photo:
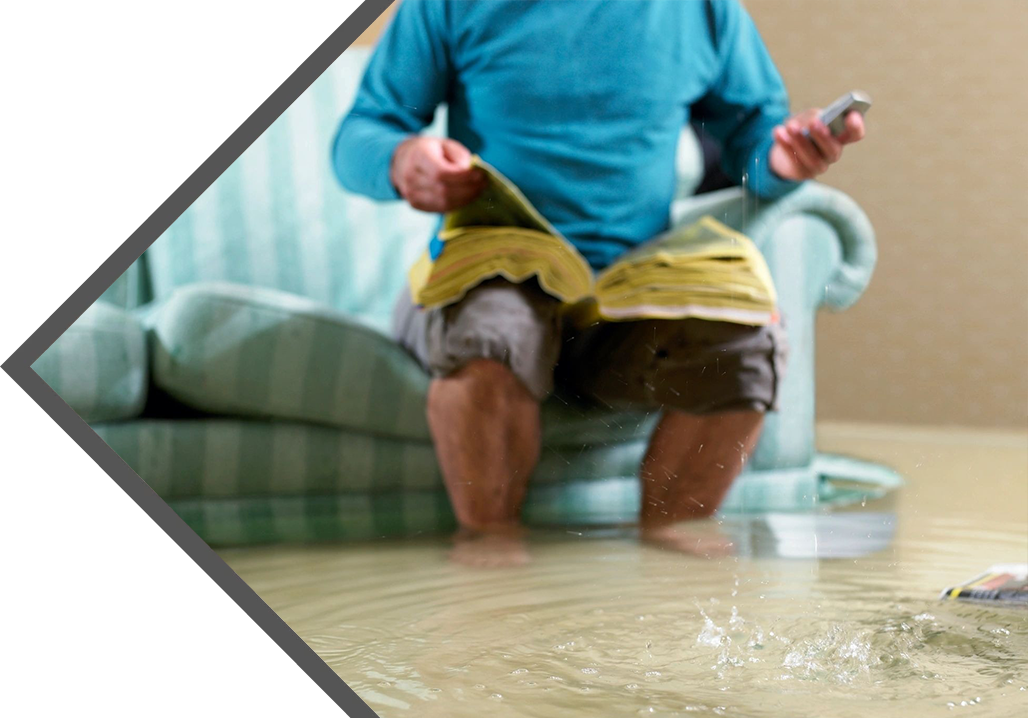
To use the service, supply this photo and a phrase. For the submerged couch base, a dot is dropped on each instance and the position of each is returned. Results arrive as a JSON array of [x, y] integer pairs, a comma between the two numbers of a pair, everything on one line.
[[249, 482]]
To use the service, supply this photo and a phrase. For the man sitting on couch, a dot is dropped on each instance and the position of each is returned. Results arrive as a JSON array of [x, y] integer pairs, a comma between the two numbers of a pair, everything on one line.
[[581, 105]]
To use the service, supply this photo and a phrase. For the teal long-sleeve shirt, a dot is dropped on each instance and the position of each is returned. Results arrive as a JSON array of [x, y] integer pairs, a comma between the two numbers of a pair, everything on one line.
[[579, 102]]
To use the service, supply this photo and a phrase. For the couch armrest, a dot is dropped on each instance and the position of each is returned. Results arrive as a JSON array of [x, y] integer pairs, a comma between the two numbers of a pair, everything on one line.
[[851, 273], [821, 251], [132, 288], [99, 366]]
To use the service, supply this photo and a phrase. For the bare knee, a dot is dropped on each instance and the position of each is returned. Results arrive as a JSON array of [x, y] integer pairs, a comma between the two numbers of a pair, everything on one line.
[[482, 385]]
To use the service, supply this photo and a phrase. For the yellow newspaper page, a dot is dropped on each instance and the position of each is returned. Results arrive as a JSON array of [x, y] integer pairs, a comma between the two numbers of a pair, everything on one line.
[[500, 233], [704, 270]]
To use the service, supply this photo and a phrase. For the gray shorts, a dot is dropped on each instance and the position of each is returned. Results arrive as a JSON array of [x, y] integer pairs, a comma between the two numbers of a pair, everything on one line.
[[692, 365]]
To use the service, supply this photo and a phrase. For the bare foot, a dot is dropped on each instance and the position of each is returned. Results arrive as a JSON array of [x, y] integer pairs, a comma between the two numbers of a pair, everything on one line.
[[687, 539], [495, 549]]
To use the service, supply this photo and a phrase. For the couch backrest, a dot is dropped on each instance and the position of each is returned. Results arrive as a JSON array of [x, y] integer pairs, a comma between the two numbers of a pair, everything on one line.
[[277, 217]]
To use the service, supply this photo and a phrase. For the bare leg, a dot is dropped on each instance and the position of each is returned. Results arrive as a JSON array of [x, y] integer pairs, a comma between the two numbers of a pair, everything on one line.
[[486, 430], [689, 467]]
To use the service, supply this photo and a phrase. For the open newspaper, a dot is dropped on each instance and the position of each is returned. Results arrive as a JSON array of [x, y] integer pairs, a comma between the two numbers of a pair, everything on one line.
[[703, 270]]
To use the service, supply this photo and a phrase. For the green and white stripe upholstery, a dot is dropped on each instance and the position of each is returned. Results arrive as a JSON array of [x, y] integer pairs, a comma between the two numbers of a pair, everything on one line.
[[99, 366], [246, 351], [224, 458], [239, 482]]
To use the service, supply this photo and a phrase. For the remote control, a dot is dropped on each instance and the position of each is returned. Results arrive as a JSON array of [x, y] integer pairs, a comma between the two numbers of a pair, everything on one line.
[[835, 114]]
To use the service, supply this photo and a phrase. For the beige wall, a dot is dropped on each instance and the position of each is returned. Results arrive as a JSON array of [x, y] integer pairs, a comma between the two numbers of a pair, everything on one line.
[[942, 334]]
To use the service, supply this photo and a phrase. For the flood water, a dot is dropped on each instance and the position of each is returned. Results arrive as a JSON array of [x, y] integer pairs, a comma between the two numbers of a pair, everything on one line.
[[828, 614]]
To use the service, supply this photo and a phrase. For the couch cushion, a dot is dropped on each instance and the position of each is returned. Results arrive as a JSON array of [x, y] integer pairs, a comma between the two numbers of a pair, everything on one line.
[[99, 366], [224, 458], [245, 351]]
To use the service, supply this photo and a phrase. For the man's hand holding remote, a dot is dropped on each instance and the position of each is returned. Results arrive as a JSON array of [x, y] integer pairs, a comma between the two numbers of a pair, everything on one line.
[[798, 156]]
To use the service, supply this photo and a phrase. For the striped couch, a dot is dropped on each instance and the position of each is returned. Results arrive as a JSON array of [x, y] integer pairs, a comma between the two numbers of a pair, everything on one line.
[[241, 365]]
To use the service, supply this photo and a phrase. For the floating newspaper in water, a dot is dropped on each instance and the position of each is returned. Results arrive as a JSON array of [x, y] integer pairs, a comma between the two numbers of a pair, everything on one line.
[[1005, 583]]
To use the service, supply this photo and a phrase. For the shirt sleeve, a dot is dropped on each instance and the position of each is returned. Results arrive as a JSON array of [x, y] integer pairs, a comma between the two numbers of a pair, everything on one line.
[[745, 102], [407, 77]]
